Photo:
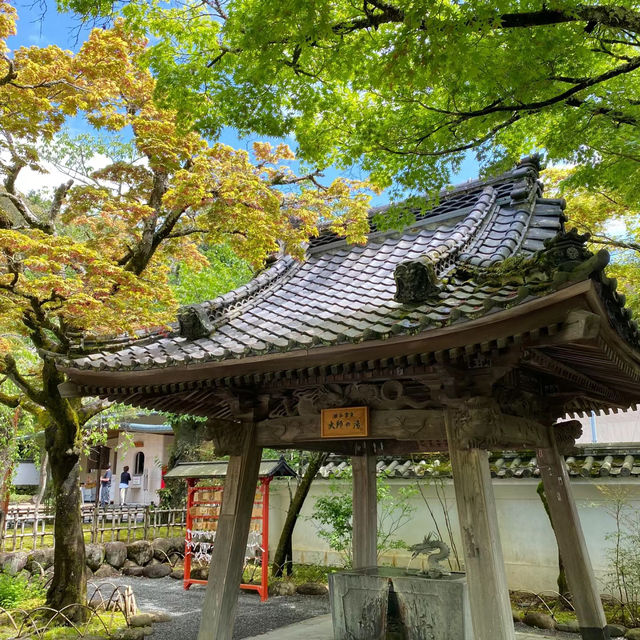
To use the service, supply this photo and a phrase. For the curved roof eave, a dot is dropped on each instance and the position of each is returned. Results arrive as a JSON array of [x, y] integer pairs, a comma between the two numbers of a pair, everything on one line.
[[527, 316]]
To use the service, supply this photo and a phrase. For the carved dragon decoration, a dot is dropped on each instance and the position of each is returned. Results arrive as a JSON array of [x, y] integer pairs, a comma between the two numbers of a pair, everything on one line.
[[430, 544], [388, 395]]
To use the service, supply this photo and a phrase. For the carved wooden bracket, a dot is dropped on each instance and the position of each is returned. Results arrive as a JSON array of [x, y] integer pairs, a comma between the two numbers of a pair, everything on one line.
[[478, 423], [566, 434], [228, 436], [244, 404]]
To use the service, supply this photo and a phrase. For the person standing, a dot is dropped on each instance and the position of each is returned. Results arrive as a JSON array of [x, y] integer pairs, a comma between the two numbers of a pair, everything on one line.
[[125, 479], [105, 486]]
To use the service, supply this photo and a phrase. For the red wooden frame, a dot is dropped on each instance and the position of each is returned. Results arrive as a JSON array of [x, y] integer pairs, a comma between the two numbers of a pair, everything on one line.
[[259, 516]]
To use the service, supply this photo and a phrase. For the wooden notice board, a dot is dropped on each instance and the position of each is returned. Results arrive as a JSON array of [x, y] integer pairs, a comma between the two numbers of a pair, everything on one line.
[[345, 422]]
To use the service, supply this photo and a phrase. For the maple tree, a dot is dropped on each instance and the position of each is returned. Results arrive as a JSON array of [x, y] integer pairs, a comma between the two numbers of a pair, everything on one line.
[[97, 259], [409, 89]]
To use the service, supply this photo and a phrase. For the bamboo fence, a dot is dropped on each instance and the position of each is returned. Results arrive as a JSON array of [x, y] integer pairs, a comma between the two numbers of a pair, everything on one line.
[[27, 528]]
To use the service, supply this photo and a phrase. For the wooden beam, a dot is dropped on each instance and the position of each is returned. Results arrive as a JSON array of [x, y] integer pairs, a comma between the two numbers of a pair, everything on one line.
[[580, 325], [487, 582], [400, 431], [571, 543], [408, 424], [227, 560], [542, 361], [365, 504]]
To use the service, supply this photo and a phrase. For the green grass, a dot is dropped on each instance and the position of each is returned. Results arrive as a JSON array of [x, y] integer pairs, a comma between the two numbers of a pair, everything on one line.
[[17, 596], [112, 620], [20, 497], [306, 573], [613, 613], [136, 534]]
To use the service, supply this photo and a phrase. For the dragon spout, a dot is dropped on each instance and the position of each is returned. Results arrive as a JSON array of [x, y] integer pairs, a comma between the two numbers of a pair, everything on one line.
[[427, 547]]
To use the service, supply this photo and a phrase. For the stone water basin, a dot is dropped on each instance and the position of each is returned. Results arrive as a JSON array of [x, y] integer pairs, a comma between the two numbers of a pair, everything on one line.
[[385, 603]]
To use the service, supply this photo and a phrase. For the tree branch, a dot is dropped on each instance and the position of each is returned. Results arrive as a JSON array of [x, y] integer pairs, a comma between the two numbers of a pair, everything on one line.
[[585, 83], [11, 193], [281, 179], [616, 17], [612, 242], [9, 401], [613, 114], [185, 232], [449, 150], [86, 412], [58, 198], [11, 370], [601, 238], [11, 74]]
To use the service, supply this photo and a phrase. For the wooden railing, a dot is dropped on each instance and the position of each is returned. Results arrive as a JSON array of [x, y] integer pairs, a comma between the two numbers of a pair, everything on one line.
[[27, 529]]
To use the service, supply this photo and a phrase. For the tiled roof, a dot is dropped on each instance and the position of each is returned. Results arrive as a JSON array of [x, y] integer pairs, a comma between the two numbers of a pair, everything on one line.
[[345, 293], [218, 469], [588, 461], [137, 427]]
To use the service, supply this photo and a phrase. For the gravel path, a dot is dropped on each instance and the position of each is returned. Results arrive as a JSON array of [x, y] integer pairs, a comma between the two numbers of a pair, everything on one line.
[[253, 617], [544, 633]]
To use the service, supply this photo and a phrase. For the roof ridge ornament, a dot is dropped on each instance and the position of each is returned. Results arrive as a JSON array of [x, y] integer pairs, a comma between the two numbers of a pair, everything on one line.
[[194, 322], [529, 187], [416, 281]]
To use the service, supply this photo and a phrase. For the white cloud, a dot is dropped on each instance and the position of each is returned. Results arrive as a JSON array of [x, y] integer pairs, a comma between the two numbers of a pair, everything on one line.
[[30, 180]]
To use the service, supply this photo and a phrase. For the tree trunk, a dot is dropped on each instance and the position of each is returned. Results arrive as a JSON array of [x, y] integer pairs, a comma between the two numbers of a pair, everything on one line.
[[283, 556], [563, 585], [69, 584], [63, 443]]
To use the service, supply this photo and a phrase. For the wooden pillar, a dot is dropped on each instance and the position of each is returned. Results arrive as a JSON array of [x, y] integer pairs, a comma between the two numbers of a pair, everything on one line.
[[571, 544], [488, 592], [365, 514], [229, 549]]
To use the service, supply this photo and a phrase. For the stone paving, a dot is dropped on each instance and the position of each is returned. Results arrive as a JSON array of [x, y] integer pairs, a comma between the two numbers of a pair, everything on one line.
[[319, 628]]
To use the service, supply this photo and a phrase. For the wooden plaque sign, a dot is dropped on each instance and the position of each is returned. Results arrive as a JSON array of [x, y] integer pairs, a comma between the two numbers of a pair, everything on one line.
[[347, 422]]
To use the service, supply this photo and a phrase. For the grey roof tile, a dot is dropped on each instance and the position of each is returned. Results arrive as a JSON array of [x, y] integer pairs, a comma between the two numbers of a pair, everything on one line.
[[586, 464], [346, 292]]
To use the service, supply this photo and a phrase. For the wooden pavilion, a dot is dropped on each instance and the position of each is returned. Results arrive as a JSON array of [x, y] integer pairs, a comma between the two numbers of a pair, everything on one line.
[[478, 326]]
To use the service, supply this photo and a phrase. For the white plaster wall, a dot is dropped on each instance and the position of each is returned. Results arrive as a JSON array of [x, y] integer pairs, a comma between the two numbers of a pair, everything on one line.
[[528, 543], [616, 427], [155, 448], [155, 456]]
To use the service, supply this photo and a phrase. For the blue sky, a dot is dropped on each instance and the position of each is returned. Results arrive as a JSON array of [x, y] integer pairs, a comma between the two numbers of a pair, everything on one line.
[[38, 27]]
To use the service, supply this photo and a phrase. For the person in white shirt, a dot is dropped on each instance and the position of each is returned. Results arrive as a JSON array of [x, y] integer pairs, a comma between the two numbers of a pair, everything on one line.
[[125, 479]]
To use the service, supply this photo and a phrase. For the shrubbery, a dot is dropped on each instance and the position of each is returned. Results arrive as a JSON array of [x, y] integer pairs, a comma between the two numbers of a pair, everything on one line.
[[15, 590], [334, 514]]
